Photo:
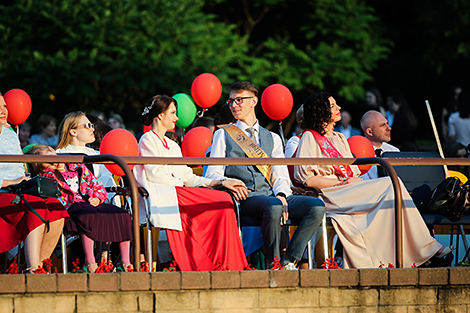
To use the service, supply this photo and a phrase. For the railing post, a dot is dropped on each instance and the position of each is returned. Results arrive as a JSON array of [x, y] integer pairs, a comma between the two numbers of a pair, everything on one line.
[[134, 197]]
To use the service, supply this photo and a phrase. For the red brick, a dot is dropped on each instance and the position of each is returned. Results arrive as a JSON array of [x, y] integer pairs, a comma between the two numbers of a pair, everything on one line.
[[433, 276], [41, 283], [195, 280], [344, 278], [72, 282], [225, 280], [135, 281], [459, 276], [314, 278], [12, 283], [166, 280], [373, 277], [284, 278], [403, 276], [103, 282], [254, 279]]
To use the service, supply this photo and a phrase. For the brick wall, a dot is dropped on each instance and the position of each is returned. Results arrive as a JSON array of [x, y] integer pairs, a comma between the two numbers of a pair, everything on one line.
[[367, 290]]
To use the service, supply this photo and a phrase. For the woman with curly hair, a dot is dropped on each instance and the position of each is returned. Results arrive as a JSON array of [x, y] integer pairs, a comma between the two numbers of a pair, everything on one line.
[[362, 212]]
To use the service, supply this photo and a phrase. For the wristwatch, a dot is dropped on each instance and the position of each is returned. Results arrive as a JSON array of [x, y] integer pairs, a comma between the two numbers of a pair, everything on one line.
[[281, 194], [223, 179]]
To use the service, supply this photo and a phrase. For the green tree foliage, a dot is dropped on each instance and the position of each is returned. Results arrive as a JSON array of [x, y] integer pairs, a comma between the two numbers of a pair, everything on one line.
[[309, 45], [111, 55]]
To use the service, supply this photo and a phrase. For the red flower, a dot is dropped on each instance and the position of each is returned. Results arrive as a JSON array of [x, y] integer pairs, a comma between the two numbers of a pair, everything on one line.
[[47, 265], [220, 267], [144, 266], [40, 270], [13, 268], [330, 264], [390, 265], [75, 266], [105, 267], [249, 268], [172, 268], [277, 264]]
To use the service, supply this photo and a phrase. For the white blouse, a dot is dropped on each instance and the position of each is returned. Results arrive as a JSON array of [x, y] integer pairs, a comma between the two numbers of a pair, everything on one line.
[[10, 144]]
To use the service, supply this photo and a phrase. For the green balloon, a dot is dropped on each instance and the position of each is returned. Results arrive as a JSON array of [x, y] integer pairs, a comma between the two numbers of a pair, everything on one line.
[[26, 149], [186, 110]]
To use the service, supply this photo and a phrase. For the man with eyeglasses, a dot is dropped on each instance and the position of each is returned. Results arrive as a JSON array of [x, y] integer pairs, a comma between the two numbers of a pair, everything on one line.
[[266, 194]]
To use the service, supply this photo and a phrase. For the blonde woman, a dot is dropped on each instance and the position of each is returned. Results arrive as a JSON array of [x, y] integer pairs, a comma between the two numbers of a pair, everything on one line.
[[75, 131]]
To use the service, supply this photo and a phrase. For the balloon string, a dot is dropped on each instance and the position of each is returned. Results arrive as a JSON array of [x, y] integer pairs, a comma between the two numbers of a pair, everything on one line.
[[282, 133], [201, 113]]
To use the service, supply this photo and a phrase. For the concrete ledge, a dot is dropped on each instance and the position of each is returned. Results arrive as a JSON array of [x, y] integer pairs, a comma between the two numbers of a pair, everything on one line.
[[364, 290], [225, 280], [112, 282]]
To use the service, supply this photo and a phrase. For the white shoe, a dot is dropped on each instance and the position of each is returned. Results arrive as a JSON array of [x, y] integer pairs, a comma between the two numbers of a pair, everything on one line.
[[290, 266]]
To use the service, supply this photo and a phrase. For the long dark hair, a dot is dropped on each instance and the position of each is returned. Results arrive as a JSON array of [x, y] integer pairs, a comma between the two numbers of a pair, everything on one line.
[[155, 106], [317, 112]]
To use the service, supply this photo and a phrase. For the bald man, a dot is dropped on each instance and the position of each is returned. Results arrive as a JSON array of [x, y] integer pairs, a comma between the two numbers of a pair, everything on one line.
[[376, 129]]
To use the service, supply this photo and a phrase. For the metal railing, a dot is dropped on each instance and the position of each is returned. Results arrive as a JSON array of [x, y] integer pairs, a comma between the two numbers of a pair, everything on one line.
[[123, 162], [105, 158]]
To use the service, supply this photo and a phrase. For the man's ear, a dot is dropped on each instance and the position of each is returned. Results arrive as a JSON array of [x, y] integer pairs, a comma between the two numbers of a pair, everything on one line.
[[255, 101], [369, 132]]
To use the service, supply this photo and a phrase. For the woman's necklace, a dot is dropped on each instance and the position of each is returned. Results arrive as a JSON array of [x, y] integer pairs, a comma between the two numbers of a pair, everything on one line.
[[164, 143]]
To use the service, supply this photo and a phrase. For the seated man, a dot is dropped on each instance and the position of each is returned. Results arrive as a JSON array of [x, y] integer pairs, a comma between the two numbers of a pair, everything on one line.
[[266, 193], [377, 130]]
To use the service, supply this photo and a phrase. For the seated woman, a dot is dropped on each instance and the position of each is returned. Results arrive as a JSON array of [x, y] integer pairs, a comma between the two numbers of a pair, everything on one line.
[[17, 222], [362, 212], [75, 132], [201, 223], [47, 136], [83, 195]]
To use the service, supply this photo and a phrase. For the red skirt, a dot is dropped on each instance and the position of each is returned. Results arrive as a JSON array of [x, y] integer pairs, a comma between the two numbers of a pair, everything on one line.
[[209, 238], [17, 221]]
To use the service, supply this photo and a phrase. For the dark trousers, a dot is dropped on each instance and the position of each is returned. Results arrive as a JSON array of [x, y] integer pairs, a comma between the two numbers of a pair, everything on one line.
[[308, 210]]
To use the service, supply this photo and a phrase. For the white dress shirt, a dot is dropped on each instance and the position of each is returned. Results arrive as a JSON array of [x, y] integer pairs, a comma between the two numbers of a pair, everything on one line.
[[280, 178], [291, 146], [373, 173]]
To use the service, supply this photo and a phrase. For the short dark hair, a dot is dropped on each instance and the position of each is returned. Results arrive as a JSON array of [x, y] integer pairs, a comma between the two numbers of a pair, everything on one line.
[[224, 116], [45, 119], [155, 106], [101, 129], [242, 86], [317, 112]]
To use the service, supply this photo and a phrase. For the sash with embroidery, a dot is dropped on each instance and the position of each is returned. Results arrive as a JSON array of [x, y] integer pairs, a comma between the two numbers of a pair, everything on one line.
[[251, 149], [330, 151]]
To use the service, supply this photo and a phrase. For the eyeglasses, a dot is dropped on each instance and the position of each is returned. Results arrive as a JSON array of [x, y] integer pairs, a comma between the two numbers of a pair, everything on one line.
[[238, 100], [87, 126]]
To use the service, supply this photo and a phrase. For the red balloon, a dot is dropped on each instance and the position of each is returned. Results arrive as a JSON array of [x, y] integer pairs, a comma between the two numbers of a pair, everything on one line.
[[206, 90], [18, 105], [361, 147], [277, 102], [120, 142], [196, 141]]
